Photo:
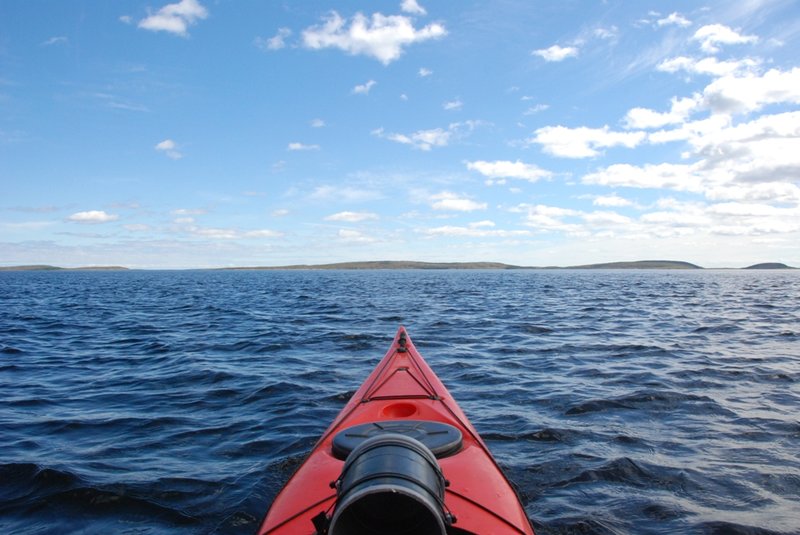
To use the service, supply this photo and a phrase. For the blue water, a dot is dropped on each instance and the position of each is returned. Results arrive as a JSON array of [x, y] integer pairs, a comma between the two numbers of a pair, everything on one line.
[[617, 401]]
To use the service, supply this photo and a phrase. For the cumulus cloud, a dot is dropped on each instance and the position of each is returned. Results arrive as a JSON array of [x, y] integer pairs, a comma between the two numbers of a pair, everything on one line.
[[751, 92], [681, 177], [674, 19], [276, 42], [317, 123], [533, 110], [712, 35], [473, 231], [583, 142], [499, 170], [551, 218], [423, 72], [92, 217], [453, 105], [352, 217], [427, 139], [453, 202], [612, 200], [169, 148], [297, 146], [381, 37], [363, 89], [707, 66], [556, 53], [680, 110], [411, 6], [175, 18]]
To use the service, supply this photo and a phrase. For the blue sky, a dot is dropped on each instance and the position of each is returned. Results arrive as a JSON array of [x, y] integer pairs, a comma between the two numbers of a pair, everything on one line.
[[212, 133]]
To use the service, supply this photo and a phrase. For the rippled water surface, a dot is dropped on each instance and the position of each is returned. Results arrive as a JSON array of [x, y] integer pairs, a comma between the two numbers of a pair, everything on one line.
[[617, 401]]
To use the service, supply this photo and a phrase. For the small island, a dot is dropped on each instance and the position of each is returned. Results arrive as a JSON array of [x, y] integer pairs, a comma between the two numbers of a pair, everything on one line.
[[769, 265], [45, 267], [641, 264]]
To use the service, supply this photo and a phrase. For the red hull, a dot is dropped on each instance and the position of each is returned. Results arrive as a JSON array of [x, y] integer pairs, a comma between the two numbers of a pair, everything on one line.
[[403, 386]]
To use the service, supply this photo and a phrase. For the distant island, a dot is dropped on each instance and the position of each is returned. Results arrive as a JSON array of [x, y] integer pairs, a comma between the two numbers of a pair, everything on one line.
[[641, 264], [43, 267], [407, 264], [769, 265]]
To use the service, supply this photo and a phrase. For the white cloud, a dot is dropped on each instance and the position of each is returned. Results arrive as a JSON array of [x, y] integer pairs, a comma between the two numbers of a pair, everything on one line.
[[354, 236], [427, 139], [137, 227], [680, 110], [93, 216], [175, 18], [352, 217], [297, 146], [708, 66], [453, 105], [317, 123], [556, 53], [674, 19], [423, 72], [536, 109], [276, 42], [779, 192], [230, 233], [750, 92], [381, 37], [551, 218], [126, 19], [612, 200], [344, 194], [262, 233], [450, 201], [656, 176], [363, 89], [60, 40], [606, 33], [583, 142], [502, 169], [411, 6], [189, 211], [170, 148], [473, 231], [606, 218], [717, 34], [280, 212]]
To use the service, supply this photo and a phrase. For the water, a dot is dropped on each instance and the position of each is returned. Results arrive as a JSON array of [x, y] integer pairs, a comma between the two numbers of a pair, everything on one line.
[[617, 401]]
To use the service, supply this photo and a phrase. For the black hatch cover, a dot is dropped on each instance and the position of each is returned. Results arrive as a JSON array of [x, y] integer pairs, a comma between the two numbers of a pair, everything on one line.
[[442, 439]]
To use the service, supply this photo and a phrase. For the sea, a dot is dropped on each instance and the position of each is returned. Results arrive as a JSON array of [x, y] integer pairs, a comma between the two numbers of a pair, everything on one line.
[[618, 402]]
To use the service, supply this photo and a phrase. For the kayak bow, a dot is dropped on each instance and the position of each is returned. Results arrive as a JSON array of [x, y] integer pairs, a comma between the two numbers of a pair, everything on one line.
[[400, 458]]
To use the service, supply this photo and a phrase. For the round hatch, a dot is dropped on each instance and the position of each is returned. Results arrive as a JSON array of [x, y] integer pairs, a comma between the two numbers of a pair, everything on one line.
[[441, 438]]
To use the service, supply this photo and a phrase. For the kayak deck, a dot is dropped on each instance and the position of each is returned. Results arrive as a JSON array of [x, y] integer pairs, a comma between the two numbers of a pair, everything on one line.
[[403, 388]]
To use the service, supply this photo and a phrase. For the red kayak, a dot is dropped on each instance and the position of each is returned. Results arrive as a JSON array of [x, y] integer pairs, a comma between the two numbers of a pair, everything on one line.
[[400, 458]]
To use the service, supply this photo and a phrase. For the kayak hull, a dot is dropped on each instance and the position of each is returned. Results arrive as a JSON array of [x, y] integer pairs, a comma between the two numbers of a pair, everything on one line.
[[403, 388]]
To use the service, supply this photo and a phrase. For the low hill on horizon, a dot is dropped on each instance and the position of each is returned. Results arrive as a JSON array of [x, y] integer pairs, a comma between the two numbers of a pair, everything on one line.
[[45, 267], [770, 265], [641, 264]]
